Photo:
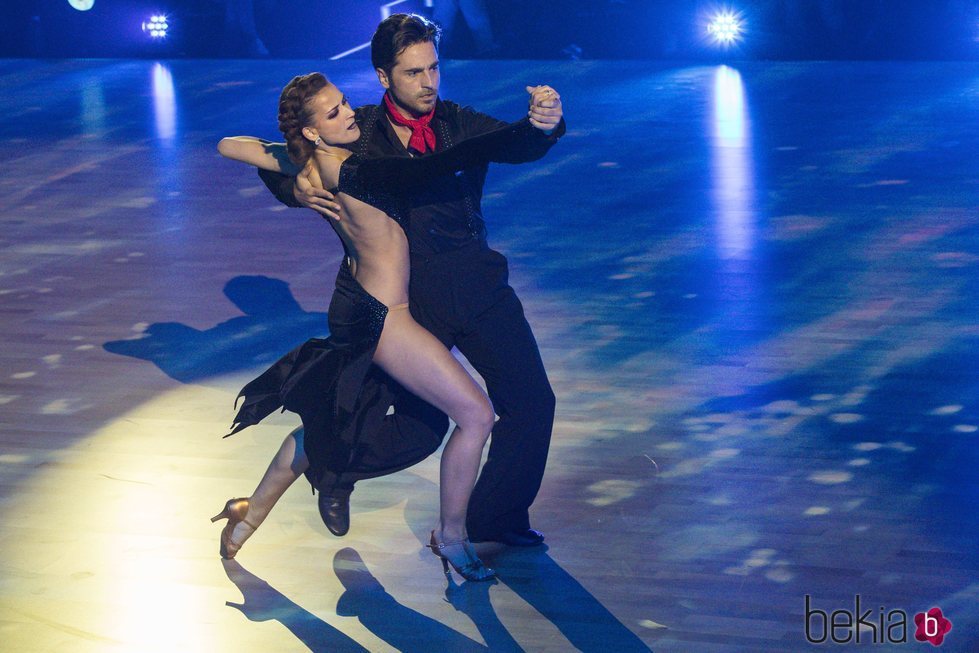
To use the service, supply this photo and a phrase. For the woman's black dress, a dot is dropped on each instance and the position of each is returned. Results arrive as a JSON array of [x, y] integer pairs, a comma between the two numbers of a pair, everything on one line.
[[331, 382]]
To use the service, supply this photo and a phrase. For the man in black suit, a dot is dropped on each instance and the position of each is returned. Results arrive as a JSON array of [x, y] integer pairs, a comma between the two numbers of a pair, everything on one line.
[[459, 286]]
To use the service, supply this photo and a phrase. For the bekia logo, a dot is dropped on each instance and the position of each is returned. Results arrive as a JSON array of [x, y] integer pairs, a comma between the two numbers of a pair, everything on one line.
[[886, 627], [932, 626]]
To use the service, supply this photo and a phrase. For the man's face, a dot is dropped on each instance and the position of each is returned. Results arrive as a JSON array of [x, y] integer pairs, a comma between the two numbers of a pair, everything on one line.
[[414, 79]]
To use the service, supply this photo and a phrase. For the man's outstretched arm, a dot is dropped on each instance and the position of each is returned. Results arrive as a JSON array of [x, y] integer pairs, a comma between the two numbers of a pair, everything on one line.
[[402, 173], [545, 113]]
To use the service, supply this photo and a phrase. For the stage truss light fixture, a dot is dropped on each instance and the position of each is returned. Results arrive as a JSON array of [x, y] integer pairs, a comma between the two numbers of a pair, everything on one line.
[[156, 27], [726, 28]]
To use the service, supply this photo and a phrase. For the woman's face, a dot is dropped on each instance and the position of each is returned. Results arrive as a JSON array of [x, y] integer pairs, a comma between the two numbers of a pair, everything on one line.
[[333, 119]]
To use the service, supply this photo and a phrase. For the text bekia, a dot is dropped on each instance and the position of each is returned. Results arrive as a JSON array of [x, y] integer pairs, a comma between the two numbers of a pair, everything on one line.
[[844, 626], [886, 627]]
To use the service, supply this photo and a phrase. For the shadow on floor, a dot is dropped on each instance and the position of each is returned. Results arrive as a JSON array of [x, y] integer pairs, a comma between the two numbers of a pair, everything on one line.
[[273, 323], [262, 602]]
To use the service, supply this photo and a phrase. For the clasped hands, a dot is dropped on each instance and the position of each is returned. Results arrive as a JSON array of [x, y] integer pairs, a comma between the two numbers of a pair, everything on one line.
[[544, 110]]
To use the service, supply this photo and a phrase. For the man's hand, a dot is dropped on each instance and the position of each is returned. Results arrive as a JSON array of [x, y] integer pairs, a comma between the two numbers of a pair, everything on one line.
[[545, 110], [314, 197]]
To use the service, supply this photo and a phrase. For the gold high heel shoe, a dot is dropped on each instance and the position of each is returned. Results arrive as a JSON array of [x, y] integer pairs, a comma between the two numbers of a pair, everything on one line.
[[234, 511], [472, 569]]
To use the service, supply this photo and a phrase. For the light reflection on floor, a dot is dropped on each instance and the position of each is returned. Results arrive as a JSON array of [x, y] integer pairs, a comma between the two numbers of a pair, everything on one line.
[[114, 546]]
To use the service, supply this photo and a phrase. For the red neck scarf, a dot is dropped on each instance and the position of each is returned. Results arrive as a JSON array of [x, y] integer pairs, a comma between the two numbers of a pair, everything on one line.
[[422, 137]]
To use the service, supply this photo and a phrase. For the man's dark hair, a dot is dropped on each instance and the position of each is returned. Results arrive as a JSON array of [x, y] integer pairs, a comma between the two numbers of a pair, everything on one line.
[[398, 32]]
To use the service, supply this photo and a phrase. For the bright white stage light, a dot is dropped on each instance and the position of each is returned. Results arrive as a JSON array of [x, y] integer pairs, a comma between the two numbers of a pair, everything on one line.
[[81, 5], [726, 28], [156, 26]]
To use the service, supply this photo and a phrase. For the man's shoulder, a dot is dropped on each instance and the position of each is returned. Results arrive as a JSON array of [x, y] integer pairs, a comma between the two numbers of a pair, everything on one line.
[[449, 105], [446, 108], [454, 109], [365, 110], [467, 119]]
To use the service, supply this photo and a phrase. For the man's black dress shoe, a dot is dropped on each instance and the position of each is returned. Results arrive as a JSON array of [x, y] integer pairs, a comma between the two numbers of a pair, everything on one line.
[[335, 510], [528, 537]]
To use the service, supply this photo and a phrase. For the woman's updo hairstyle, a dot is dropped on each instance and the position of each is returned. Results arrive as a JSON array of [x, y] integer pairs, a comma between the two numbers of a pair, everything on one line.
[[295, 113]]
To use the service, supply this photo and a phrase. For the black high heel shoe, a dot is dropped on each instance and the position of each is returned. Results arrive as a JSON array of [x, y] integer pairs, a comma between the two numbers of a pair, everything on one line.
[[468, 565], [234, 511]]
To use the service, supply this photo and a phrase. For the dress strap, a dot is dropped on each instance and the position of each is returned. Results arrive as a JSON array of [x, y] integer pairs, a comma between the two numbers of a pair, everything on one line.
[[397, 307]]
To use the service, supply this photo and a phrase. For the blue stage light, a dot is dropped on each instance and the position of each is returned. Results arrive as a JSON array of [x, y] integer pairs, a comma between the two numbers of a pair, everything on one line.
[[726, 28], [81, 5], [156, 27]]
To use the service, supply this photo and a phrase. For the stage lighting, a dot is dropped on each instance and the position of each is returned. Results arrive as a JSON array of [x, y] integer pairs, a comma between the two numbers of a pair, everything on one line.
[[726, 28], [156, 27], [81, 5]]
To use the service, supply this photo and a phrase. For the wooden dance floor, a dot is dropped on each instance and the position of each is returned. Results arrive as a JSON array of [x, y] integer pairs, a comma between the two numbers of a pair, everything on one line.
[[755, 290]]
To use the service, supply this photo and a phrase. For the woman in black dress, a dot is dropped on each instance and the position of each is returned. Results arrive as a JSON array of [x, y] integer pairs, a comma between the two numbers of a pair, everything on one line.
[[324, 379]]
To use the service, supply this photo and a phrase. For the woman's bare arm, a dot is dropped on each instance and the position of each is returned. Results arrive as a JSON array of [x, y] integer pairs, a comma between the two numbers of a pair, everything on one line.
[[259, 153]]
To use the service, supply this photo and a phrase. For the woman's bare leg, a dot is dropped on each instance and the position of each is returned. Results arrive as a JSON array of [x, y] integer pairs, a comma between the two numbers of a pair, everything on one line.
[[422, 364], [417, 360], [287, 465]]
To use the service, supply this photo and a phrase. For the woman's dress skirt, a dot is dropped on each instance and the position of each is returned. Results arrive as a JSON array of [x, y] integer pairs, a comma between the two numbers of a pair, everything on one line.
[[342, 397]]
